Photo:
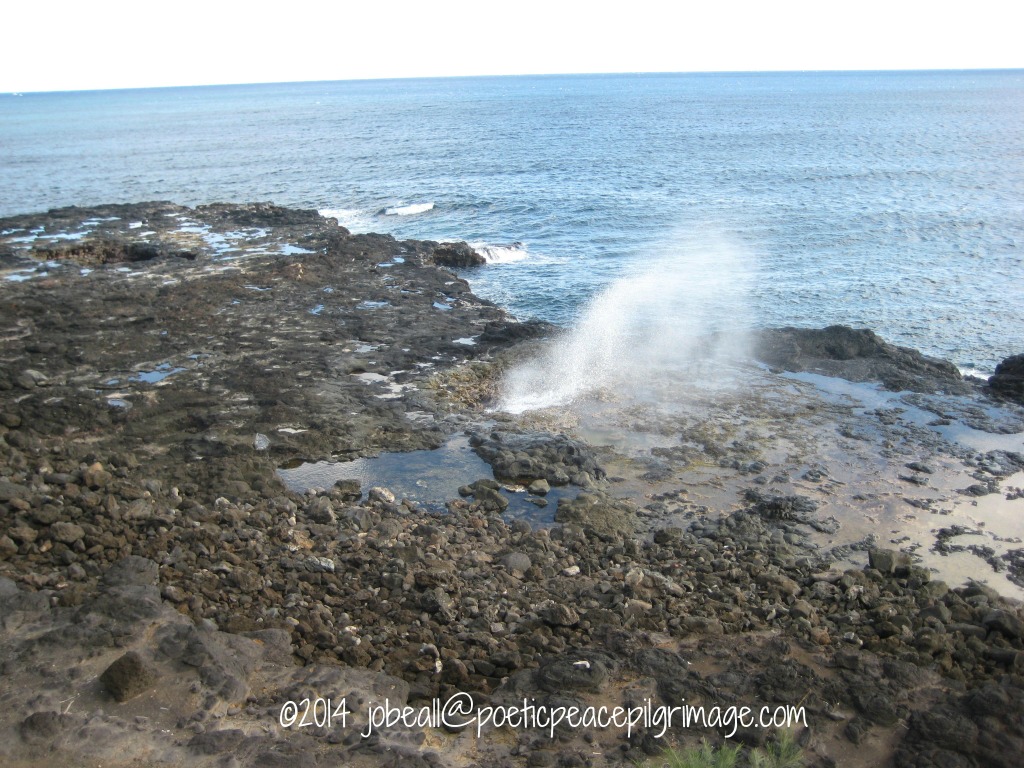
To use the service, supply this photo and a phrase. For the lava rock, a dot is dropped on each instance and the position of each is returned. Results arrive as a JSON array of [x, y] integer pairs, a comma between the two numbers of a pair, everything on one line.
[[889, 561], [598, 511], [582, 671], [67, 533], [457, 255], [1008, 379], [132, 571], [539, 487], [42, 726], [127, 677], [517, 563], [558, 614], [856, 355], [1005, 623]]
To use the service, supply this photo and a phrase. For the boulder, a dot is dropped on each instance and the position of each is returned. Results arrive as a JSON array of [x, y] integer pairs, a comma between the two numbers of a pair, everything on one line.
[[127, 677], [856, 354], [599, 512], [539, 487], [889, 561], [456, 255], [558, 614], [516, 562], [67, 533], [1008, 380]]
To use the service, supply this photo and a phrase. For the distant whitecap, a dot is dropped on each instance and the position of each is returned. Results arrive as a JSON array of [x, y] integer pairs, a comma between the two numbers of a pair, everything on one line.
[[409, 210]]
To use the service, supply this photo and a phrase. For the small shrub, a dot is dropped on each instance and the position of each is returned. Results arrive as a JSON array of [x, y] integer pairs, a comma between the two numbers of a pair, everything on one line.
[[703, 757], [784, 753]]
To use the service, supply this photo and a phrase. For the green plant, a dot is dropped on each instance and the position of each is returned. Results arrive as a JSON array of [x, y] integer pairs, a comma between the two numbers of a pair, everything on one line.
[[703, 757], [784, 753]]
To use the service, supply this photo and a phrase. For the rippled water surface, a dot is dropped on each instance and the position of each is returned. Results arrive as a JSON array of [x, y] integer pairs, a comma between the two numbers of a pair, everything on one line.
[[888, 200]]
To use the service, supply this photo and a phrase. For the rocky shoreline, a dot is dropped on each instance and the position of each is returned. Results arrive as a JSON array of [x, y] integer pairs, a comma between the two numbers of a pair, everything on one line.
[[163, 594]]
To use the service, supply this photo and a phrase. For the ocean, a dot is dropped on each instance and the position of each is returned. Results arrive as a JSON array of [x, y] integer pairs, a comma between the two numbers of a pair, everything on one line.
[[892, 201]]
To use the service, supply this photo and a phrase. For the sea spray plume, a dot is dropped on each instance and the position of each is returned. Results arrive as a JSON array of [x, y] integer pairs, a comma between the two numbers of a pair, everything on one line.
[[679, 320]]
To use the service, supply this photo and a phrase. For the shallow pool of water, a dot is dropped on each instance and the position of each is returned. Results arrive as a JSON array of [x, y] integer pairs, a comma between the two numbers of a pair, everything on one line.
[[430, 478]]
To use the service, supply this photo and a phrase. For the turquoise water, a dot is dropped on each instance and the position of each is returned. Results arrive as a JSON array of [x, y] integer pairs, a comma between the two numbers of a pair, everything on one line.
[[893, 201]]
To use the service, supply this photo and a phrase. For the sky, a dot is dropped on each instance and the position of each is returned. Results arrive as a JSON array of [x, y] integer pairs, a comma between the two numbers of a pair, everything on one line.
[[115, 44]]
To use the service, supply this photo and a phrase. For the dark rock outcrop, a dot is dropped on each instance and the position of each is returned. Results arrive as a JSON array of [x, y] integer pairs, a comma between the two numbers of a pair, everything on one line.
[[1008, 380], [127, 677], [856, 355], [456, 255], [111, 250], [525, 457], [509, 332]]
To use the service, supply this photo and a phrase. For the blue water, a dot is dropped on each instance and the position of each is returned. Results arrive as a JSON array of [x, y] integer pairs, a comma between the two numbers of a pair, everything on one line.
[[893, 201]]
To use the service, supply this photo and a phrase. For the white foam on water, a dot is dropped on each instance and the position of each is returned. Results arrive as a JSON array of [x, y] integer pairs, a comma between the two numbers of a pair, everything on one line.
[[353, 219], [976, 373], [408, 210], [501, 254], [680, 320]]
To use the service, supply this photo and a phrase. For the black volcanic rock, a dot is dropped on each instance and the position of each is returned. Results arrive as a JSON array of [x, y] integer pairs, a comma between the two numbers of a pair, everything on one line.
[[1008, 380], [111, 250], [127, 677], [260, 215], [456, 255], [509, 331], [856, 355]]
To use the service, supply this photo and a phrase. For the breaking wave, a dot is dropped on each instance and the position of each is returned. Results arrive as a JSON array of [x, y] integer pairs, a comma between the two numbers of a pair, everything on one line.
[[501, 254], [353, 219], [408, 210]]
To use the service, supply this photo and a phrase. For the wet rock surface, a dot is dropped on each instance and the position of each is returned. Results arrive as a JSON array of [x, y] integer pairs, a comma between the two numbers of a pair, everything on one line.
[[458, 255], [1008, 380], [163, 595], [856, 355], [525, 457]]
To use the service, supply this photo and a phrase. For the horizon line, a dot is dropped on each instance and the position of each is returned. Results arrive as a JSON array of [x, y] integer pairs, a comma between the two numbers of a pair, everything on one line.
[[627, 73]]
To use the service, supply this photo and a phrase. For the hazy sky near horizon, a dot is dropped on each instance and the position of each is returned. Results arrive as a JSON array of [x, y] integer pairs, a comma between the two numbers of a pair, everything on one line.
[[118, 44]]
